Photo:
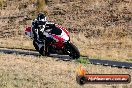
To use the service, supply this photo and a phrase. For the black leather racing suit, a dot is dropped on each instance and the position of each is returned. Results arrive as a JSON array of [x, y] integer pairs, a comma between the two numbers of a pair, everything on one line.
[[39, 34]]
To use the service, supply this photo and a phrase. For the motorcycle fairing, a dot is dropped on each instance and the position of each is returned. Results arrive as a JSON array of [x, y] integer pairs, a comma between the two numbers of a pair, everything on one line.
[[59, 41], [64, 29]]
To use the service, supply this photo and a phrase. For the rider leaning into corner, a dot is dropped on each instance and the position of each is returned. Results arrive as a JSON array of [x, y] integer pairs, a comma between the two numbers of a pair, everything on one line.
[[41, 29], [45, 40]]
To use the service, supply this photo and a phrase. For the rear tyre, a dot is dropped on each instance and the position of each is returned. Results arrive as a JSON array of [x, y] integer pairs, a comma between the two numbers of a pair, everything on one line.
[[72, 51]]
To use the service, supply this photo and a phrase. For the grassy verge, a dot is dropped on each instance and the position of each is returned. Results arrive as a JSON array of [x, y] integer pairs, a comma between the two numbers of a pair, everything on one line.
[[18, 71], [113, 59], [83, 60]]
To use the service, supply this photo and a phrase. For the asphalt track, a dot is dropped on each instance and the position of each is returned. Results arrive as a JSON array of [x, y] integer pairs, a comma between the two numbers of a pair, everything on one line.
[[66, 57]]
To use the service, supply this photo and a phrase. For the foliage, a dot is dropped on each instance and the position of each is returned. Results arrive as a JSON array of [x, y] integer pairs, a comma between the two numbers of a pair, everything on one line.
[[83, 60]]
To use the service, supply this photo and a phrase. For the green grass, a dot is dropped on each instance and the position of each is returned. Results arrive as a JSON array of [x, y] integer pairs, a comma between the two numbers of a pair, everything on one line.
[[130, 60], [83, 60]]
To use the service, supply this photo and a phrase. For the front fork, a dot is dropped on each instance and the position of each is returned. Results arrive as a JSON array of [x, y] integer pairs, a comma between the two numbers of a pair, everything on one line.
[[65, 48]]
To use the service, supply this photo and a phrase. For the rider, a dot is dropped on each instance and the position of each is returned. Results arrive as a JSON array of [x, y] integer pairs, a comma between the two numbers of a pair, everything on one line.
[[41, 28], [41, 19], [46, 26]]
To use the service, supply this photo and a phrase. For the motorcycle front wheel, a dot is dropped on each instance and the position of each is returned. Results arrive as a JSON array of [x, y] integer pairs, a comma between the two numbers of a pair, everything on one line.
[[72, 51]]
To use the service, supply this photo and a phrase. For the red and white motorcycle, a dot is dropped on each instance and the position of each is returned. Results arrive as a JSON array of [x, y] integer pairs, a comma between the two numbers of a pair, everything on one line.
[[61, 43]]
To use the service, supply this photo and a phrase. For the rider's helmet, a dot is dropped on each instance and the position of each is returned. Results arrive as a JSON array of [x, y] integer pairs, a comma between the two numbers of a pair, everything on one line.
[[41, 17]]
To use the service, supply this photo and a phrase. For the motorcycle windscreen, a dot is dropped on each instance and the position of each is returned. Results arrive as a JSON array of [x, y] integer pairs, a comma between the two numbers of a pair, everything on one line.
[[55, 30]]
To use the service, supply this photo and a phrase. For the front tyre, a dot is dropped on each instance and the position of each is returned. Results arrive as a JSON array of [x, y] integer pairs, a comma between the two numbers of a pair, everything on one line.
[[72, 51]]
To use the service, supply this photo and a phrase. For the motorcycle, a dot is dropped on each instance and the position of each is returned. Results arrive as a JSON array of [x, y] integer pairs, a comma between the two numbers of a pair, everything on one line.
[[60, 43]]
